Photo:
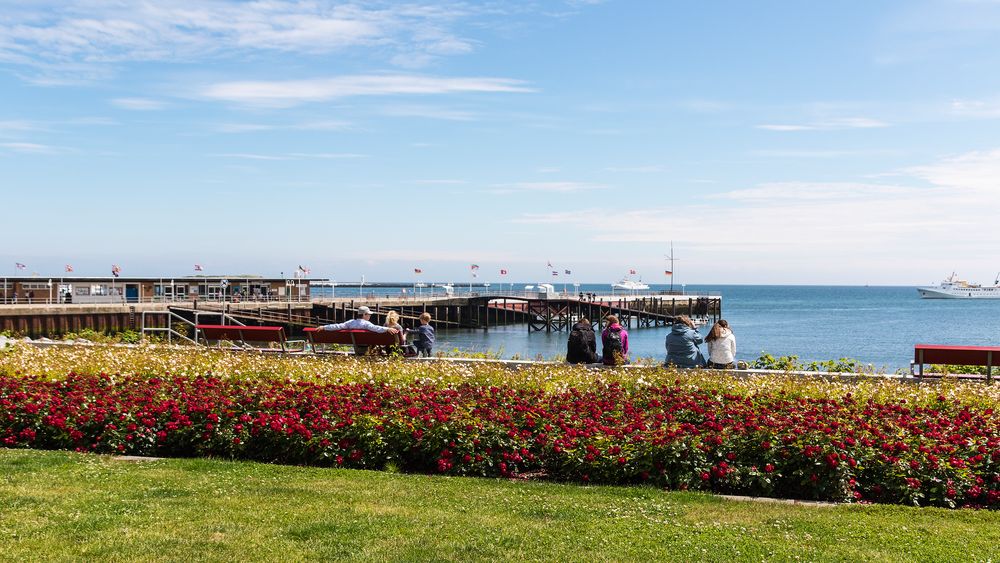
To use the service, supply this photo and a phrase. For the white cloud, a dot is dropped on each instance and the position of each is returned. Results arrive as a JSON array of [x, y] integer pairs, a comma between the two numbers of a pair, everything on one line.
[[292, 156], [440, 182], [293, 92], [557, 187], [139, 104], [252, 156], [989, 109], [329, 125], [820, 153], [832, 124], [946, 209], [30, 148], [639, 169], [78, 36], [429, 112]]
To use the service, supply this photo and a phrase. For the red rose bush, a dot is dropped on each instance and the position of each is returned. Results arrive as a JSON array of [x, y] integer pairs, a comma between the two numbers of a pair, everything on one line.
[[812, 439]]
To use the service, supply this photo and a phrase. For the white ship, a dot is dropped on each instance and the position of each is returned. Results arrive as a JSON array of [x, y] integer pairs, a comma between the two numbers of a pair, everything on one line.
[[629, 285], [955, 288]]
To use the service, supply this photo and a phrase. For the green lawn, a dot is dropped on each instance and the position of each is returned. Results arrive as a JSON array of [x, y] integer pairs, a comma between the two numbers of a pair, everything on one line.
[[58, 505]]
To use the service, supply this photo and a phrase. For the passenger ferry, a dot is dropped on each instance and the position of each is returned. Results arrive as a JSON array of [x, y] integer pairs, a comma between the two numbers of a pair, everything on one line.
[[955, 288]]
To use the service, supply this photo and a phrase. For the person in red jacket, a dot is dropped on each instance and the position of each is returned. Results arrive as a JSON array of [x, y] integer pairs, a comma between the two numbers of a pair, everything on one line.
[[615, 342]]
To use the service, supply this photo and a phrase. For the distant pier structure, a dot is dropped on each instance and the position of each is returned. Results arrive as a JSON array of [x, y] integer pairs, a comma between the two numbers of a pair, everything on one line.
[[172, 307]]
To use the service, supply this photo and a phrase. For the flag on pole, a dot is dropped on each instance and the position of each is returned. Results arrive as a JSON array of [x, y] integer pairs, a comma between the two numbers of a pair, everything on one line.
[[503, 272], [631, 271], [473, 267], [668, 272], [568, 272], [417, 271], [116, 270], [19, 265], [198, 268], [69, 268]]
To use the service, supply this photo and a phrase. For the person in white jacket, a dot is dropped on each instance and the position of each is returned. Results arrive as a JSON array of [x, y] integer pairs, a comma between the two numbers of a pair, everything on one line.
[[721, 346]]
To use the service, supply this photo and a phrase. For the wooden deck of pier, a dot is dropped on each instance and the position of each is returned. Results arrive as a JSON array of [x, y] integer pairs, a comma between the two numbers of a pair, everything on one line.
[[478, 311]]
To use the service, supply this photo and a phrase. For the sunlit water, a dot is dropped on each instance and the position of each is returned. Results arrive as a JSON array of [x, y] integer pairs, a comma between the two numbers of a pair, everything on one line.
[[877, 325]]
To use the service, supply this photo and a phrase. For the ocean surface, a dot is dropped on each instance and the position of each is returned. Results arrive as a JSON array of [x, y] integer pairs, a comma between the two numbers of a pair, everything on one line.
[[877, 325]]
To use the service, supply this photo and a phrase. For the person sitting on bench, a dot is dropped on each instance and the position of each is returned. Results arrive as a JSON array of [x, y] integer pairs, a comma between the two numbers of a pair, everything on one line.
[[360, 322]]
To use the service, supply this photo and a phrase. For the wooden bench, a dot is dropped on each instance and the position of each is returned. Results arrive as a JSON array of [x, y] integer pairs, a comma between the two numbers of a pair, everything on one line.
[[246, 335], [986, 356], [355, 337]]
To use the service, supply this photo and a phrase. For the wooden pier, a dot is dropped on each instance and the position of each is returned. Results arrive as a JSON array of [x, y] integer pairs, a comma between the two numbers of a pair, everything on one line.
[[548, 313]]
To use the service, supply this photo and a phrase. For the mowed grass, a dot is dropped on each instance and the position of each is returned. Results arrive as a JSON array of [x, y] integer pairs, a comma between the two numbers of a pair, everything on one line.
[[60, 505]]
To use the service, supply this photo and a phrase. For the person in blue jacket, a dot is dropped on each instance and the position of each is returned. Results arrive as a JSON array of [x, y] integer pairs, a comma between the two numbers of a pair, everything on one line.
[[683, 343]]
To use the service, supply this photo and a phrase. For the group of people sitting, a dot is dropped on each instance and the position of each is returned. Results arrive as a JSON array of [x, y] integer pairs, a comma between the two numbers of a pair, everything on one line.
[[423, 340], [683, 344]]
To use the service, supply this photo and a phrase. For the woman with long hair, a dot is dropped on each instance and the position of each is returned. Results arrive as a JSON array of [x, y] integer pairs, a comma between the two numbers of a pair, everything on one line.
[[721, 346]]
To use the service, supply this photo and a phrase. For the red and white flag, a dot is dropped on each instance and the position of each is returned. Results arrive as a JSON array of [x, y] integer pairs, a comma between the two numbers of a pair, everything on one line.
[[19, 265], [668, 272], [473, 267], [198, 268], [69, 268]]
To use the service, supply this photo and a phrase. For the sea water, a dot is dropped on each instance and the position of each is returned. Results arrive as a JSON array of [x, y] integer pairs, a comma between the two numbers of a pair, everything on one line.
[[876, 325]]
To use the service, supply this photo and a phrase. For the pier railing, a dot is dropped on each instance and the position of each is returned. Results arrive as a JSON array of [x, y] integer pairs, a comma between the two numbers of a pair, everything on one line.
[[404, 295]]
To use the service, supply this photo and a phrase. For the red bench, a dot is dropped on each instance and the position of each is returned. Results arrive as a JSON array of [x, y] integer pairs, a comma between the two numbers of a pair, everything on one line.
[[987, 356], [355, 337], [245, 334]]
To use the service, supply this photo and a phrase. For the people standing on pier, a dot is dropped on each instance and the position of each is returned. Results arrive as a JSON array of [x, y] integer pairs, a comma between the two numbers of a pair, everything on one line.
[[581, 348], [361, 321], [683, 343], [721, 346], [614, 341], [425, 338]]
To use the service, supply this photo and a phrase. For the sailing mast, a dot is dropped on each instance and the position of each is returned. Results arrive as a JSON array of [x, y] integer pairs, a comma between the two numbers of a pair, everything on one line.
[[671, 258]]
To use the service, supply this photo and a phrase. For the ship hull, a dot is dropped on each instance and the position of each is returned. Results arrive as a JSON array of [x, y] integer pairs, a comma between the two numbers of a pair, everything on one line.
[[959, 293]]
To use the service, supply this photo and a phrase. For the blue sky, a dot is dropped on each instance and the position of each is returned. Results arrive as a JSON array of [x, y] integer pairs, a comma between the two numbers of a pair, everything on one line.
[[772, 142]]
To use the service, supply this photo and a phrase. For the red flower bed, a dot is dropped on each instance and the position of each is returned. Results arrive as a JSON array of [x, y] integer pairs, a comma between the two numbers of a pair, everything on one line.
[[840, 450]]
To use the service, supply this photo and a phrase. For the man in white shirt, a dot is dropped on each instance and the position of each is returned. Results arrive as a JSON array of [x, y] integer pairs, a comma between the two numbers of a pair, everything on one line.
[[360, 322]]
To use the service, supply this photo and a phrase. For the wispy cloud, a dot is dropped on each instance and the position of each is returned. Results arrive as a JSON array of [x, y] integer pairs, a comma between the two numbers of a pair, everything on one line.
[[440, 182], [291, 156], [989, 109], [821, 153], [139, 104], [77, 35], [429, 112], [557, 187], [328, 125], [638, 169], [293, 92], [920, 212], [827, 124], [31, 148]]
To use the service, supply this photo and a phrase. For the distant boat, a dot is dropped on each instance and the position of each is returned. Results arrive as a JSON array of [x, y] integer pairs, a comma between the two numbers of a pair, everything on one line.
[[954, 288], [629, 285]]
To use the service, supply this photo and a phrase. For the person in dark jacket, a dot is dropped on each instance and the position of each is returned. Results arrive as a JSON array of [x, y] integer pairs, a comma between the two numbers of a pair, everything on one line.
[[581, 348], [682, 344]]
